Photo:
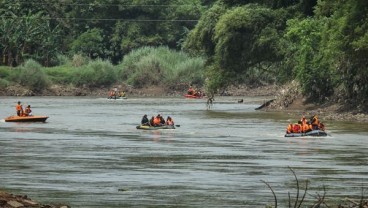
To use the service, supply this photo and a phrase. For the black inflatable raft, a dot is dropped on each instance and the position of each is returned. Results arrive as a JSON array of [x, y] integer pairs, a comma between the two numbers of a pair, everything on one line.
[[314, 133]]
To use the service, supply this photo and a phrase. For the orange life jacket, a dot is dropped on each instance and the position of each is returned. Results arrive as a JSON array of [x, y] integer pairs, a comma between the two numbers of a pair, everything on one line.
[[18, 107], [305, 127], [27, 111], [315, 120], [289, 129], [296, 128], [156, 121], [303, 120], [170, 122]]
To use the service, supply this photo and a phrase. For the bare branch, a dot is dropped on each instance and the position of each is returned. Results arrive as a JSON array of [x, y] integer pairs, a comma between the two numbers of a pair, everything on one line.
[[274, 195], [305, 193], [297, 187]]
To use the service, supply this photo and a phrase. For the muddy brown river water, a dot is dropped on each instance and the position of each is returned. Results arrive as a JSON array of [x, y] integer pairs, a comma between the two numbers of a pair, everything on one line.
[[89, 154]]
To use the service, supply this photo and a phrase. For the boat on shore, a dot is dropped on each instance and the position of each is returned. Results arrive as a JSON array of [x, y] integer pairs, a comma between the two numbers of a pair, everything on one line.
[[314, 133], [26, 119], [144, 127]]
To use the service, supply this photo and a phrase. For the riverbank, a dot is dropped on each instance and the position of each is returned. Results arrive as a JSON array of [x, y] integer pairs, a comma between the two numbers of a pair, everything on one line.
[[8, 200], [288, 99], [285, 98]]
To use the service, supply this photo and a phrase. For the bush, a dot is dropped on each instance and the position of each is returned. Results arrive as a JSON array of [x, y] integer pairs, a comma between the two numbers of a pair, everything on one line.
[[152, 66], [60, 74], [31, 75], [3, 83], [96, 73], [4, 72], [79, 60]]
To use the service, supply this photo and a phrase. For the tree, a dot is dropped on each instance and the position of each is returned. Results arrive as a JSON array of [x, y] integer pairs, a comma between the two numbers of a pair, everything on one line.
[[89, 43]]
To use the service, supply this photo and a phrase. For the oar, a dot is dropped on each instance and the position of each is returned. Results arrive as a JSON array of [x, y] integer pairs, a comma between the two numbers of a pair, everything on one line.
[[177, 125]]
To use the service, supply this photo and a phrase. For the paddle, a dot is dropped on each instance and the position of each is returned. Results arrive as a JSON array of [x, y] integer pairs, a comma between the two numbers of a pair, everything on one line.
[[177, 125]]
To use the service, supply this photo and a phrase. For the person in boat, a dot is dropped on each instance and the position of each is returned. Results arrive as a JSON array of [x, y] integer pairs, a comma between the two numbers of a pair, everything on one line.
[[111, 94], [306, 127], [191, 91], [19, 109], [315, 122], [121, 94], [162, 120], [145, 121], [151, 121], [157, 121], [169, 121], [289, 129], [303, 119], [297, 127], [28, 111]]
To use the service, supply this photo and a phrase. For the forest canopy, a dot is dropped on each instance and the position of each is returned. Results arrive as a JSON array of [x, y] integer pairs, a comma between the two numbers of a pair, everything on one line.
[[322, 44]]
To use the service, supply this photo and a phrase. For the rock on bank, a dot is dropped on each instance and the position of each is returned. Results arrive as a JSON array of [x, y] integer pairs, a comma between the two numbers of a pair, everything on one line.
[[8, 200]]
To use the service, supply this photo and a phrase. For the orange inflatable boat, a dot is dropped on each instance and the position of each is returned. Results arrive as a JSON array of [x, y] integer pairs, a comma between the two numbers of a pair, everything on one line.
[[26, 118]]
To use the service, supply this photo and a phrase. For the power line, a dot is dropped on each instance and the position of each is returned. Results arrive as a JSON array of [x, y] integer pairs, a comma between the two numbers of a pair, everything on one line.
[[92, 4], [105, 19]]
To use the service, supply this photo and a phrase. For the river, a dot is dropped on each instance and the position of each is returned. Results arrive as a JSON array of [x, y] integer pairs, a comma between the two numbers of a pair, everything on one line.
[[90, 154]]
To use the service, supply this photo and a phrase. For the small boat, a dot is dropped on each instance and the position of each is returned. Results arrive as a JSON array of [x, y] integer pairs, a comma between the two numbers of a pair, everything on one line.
[[314, 133], [155, 127], [117, 98], [26, 118], [193, 96]]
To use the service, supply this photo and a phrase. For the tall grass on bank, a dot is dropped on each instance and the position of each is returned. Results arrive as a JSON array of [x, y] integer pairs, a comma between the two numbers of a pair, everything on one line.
[[161, 66], [94, 74], [143, 67], [30, 75]]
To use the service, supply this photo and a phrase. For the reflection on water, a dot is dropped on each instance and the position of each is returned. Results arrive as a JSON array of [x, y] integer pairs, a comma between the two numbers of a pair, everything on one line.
[[89, 154]]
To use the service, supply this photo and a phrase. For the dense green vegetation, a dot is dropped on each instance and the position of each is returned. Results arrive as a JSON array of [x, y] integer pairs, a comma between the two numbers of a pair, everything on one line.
[[322, 44], [142, 67]]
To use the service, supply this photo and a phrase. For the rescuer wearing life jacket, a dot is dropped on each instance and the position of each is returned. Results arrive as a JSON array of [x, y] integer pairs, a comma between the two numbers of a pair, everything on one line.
[[19, 109], [169, 121], [191, 91], [151, 121], [289, 129], [297, 127], [28, 111], [303, 120], [315, 122], [157, 120], [306, 127]]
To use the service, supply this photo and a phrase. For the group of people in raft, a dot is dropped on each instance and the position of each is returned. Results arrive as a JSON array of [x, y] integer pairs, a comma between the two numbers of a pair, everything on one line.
[[23, 112], [157, 121], [304, 126], [195, 92], [113, 94]]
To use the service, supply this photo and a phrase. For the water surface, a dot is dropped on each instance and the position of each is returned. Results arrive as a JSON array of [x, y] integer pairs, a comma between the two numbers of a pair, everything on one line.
[[89, 154]]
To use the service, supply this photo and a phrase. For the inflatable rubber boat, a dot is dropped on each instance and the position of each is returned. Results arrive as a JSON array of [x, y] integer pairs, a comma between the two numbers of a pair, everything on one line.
[[314, 133], [155, 127]]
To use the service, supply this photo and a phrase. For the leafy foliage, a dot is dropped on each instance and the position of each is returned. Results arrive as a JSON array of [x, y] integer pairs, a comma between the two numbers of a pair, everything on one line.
[[89, 44]]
